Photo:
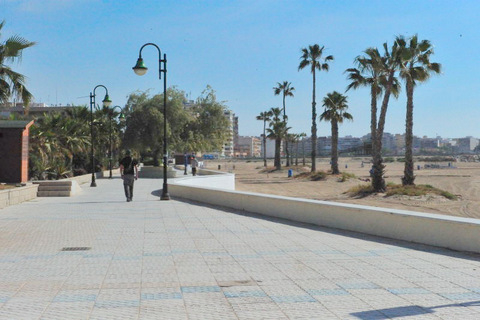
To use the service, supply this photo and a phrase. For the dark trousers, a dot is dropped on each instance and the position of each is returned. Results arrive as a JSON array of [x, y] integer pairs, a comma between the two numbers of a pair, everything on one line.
[[128, 181], [194, 171]]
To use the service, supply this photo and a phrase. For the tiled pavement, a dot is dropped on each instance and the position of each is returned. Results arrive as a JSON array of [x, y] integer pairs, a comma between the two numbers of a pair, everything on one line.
[[152, 259]]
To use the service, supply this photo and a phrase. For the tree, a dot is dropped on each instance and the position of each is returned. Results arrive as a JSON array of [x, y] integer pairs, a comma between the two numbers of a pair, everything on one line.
[[55, 140], [277, 130], [287, 91], [313, 57], [264, 116], [302, 136], [335, 111], [13, 83], [416, 67], [144, 124], [201, 127], [377, 72], [211, 126]]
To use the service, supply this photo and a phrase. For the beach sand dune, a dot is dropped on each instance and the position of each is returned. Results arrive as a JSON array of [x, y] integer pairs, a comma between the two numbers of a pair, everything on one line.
[[461, 179]]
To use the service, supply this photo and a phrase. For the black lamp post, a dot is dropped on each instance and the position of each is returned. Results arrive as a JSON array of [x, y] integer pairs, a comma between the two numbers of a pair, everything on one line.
[[140, 69], [106, 103], [110, 111], [186, 164]]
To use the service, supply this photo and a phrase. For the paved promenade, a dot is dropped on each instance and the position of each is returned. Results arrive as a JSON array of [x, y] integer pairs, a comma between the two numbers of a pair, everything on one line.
[[95, 256]]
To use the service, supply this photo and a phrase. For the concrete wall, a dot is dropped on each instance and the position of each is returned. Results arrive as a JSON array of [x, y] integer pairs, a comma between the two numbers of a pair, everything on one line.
[[209, 178], [17, 195], [438, 230]]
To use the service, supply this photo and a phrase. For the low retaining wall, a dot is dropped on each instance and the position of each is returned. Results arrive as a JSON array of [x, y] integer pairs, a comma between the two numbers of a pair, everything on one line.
[[155, 172], [437, 230], [209, 178], [88, 177], [17, 195]]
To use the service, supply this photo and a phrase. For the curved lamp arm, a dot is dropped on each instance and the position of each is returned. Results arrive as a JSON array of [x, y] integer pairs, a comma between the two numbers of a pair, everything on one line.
[[140, 68], [106, 101]]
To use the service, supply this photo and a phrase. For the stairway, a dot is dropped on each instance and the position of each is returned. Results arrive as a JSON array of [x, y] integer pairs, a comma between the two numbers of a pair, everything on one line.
[[57, 188]]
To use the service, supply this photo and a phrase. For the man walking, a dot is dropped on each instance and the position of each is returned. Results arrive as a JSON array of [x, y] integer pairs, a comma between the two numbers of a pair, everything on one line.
[[129, 173]]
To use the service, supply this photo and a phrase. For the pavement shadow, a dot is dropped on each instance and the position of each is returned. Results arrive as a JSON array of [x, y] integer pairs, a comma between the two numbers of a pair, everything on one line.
[[156, 193], [89, 202], [407, 311], [352, 234]]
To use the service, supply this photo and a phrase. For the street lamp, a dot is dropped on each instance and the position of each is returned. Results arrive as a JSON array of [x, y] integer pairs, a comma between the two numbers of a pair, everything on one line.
[[106, 103], [110, 111], [140, 69]]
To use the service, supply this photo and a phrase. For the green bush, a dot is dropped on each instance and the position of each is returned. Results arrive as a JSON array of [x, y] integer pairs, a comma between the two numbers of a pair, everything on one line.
[[346, 176]]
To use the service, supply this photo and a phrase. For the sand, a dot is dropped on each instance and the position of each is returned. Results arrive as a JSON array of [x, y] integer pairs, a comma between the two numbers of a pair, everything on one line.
[[461, 179]]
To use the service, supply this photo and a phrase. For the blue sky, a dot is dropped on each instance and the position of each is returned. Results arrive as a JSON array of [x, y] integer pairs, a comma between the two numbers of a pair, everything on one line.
[[243, 48]]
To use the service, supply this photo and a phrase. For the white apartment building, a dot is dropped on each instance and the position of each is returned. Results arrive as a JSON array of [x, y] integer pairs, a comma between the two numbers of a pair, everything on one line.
[[228, 148]]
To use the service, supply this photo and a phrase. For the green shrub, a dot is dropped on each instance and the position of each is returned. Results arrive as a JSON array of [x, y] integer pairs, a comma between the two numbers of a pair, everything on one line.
[[346, 176]]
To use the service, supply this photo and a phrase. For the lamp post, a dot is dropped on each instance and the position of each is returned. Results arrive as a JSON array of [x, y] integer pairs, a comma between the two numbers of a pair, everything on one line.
[[140, 69], [110, 111], [186, 164], [106, 103]]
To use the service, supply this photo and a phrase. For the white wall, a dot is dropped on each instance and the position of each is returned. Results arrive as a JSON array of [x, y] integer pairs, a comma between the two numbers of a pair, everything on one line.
[[438, 230]]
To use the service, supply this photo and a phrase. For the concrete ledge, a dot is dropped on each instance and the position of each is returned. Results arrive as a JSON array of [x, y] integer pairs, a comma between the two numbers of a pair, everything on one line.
[[431, 229], [155, 172], [17, 195], [209, 178], [87, 178]]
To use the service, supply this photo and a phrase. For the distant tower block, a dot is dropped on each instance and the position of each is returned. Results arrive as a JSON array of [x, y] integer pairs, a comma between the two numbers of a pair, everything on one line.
[[14, 136]]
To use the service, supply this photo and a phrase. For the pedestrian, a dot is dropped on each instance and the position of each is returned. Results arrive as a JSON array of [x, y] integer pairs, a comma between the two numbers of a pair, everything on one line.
[[129, 173], [194, 164]]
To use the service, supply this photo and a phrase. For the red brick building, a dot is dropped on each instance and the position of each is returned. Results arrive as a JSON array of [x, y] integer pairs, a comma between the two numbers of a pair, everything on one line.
[[14, 137]]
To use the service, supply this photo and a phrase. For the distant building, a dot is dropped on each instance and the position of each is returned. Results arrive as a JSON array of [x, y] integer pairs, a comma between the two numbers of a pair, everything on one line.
[[466, 145], [248, 147], [228, 147], [34, 109], [270, 148]]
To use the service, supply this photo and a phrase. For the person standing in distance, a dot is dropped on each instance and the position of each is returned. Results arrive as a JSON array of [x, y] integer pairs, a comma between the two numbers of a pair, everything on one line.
[[129, 173], [194, 164]]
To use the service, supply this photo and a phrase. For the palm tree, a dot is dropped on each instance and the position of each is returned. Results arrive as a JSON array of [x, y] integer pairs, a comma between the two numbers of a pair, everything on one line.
[[11, 82], [290, 139], [312, 56], [377, 72], [277, 130], [416, 67], [287, 91], [264, 116], [302, 136], [335, 111]]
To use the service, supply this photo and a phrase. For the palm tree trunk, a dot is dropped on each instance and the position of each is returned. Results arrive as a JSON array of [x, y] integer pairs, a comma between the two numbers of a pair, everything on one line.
[[278, 143], [409, 178], [335, 147], [296, 155], [303, 151], [286, 139], [264, 145], [314, 128], [378, 182]]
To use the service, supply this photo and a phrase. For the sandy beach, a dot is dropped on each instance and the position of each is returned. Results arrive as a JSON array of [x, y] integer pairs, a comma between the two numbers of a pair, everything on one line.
[[461, 179]]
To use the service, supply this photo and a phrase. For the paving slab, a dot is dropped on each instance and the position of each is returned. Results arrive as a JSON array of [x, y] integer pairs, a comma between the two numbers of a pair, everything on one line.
[[96, 256]]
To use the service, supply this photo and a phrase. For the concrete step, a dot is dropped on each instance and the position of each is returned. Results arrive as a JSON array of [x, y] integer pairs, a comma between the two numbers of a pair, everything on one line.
[[57, 188], [54, 188], [54, 193], [54, 182]]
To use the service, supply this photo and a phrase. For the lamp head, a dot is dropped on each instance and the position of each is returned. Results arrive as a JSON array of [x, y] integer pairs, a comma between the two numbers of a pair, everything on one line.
[[140, 68], [106, 101]]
